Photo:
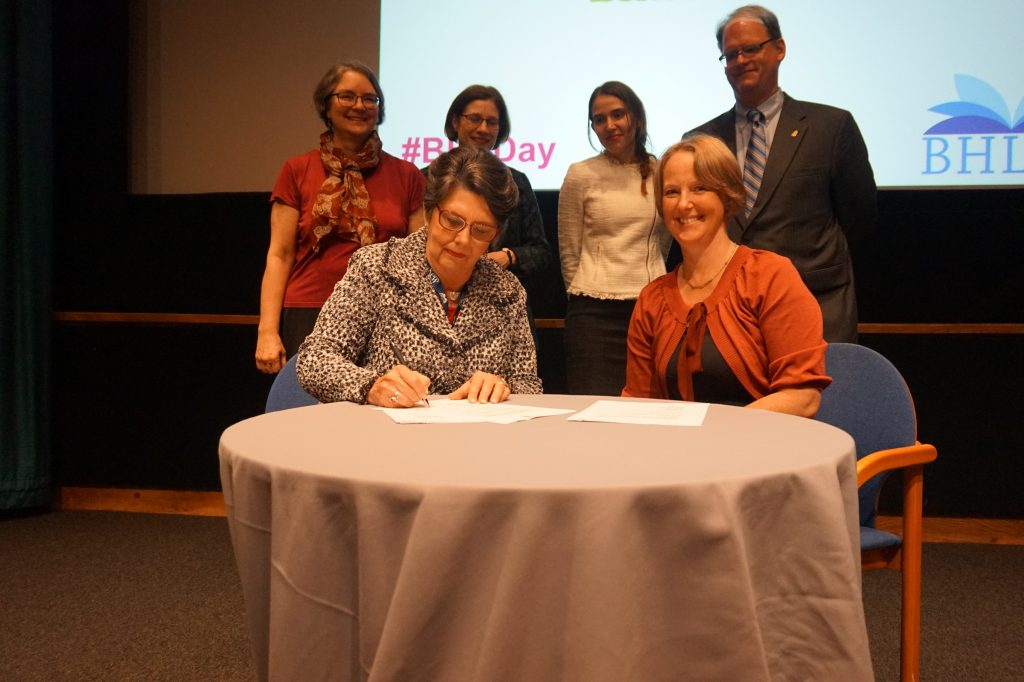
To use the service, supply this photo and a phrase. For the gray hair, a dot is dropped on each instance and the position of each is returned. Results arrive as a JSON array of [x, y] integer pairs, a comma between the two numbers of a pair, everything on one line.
[[756, 12], [478, 171]]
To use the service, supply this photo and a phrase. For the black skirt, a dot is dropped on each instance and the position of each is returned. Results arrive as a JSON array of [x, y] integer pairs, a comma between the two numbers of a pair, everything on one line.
[[296, 324], [595, 344]]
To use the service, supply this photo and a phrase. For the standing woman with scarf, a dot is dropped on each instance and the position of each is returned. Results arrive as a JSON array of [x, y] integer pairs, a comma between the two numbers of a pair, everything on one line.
[[327, 203]]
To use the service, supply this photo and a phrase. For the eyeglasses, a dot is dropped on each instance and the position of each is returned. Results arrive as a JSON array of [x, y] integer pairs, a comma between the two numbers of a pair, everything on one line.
[[349, 99], [476, 119], [749, 51], [453, 222]]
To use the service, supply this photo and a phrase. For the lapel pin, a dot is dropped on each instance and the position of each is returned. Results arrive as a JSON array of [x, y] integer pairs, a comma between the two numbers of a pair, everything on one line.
[[794, 133]]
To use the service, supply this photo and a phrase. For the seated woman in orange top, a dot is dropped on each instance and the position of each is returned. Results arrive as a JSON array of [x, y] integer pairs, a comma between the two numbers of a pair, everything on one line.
[[730, 324]]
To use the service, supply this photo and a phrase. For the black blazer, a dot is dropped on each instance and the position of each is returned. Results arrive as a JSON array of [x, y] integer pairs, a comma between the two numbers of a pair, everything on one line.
[[818, 192]]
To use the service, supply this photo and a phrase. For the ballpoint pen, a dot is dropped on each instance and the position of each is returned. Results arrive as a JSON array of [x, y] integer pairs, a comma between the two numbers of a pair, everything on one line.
[[401, 359]]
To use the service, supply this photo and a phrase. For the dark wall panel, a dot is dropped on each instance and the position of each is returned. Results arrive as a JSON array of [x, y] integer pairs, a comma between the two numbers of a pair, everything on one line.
[[936, 257], [91, 141], [140, 405], [201, 253], [144, 405], [966, 391], [943, 256]]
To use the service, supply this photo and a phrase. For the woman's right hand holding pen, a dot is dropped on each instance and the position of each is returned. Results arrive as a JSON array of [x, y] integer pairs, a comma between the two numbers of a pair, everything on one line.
[[399, 387]]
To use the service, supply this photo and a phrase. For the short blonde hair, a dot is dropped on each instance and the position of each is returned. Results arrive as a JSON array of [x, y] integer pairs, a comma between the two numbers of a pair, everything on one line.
[[715, 166]]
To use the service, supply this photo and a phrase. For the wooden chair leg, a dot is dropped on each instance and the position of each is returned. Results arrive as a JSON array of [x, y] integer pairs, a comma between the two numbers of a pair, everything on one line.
[[910, 630]]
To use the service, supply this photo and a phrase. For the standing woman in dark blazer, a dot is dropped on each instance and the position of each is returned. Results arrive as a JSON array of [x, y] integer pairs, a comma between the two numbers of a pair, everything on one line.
[[326, 204], [478, 117]]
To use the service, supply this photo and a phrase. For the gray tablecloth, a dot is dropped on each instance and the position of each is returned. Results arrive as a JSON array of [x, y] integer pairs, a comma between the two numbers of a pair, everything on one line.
[[546, 550]]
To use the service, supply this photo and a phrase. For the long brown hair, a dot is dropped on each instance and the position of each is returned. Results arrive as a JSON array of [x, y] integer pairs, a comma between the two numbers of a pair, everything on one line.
[[637, 116]]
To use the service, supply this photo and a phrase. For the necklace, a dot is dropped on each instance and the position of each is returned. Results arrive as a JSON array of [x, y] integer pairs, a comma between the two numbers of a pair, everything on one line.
[[450, 299], [697, 287]]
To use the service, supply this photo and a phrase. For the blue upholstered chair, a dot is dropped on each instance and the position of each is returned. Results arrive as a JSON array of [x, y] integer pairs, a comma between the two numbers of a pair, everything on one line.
[[285, 392], [869, 399]]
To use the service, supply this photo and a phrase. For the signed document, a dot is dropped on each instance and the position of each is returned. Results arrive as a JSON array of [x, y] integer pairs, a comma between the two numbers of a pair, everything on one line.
[[444, 411], [674, 413]]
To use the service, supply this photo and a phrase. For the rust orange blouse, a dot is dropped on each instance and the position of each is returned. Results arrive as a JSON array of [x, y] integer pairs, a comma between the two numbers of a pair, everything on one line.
[[762, 318]]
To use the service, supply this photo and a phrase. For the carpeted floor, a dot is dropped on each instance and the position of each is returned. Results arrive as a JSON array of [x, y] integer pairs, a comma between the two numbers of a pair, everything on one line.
[[972, 615], [118, 596]]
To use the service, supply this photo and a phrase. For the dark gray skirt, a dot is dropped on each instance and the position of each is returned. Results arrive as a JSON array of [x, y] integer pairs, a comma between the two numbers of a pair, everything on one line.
[[595, 345]]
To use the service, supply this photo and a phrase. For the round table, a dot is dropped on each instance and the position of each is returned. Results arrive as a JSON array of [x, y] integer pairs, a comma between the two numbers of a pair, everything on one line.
[[546, 549]]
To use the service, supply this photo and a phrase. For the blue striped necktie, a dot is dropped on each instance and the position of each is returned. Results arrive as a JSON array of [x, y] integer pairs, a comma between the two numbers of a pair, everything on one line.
[[757, 155]]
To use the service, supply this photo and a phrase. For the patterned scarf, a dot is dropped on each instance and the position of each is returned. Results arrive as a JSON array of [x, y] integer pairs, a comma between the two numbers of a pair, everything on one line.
[[343, 204]]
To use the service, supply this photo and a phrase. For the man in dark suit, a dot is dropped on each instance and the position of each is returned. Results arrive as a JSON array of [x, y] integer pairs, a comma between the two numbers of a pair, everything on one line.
[[809, 184]]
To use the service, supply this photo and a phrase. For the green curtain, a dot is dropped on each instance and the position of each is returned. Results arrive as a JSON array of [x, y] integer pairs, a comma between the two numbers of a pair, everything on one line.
[[26, 226]]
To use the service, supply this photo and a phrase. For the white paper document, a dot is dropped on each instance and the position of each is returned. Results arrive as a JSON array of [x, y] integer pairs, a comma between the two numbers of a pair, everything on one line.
[[623, 412], [444, 411]]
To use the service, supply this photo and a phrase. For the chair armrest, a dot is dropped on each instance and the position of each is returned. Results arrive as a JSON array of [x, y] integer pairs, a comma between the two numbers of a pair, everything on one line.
[[893, 458]]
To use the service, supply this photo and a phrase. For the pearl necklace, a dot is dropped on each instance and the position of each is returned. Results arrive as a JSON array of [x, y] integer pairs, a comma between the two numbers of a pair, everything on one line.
[[697, 287]]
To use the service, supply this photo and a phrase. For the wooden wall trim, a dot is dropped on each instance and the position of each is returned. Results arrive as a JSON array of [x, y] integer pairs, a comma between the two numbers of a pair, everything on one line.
[[542, 323], [963, 531], [153, 318], [968, 328], [938, 530], [185, 502]]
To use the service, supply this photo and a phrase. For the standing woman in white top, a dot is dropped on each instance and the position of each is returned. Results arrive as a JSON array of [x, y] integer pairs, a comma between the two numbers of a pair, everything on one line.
[[611, 240]]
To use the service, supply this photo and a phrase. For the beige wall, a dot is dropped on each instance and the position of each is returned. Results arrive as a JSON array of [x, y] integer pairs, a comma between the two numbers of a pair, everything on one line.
[[222, 91]]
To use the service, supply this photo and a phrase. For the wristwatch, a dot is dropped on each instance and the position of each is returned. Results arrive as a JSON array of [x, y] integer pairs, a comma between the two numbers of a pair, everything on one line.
[[511, 257]]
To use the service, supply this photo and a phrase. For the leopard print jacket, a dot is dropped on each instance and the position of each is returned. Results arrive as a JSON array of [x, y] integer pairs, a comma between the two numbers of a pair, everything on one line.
[[386, 298]]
